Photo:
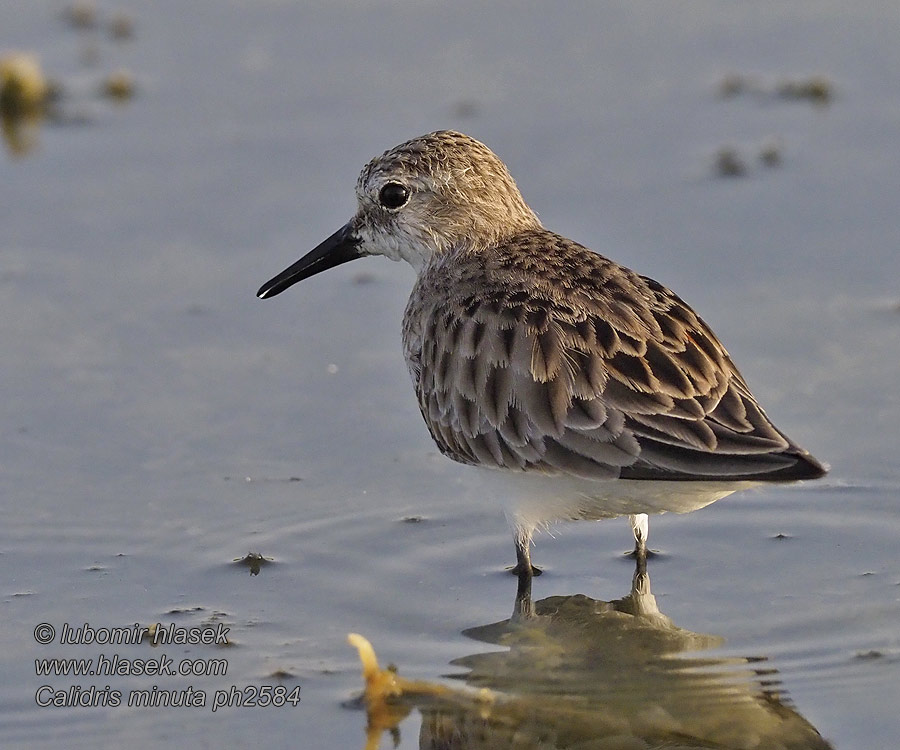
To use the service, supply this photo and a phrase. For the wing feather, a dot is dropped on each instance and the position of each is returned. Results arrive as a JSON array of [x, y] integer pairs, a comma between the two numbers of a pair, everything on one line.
[[583, 368]]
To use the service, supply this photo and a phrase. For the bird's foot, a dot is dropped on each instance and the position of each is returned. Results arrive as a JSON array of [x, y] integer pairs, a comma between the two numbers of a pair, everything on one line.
[[517, 570], [644, 552]]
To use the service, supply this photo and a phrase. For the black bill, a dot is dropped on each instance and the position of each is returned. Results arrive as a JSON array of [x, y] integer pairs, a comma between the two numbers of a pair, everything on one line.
[[341, 247]]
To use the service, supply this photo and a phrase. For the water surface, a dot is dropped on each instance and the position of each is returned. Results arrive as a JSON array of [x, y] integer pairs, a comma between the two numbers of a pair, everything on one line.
[[160, 422]]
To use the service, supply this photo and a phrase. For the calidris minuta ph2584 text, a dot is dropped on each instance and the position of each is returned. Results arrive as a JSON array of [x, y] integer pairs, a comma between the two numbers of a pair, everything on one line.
[[588, 390]]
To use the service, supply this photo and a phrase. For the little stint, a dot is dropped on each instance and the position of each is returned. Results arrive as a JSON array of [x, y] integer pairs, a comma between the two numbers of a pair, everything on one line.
[[590, 391]]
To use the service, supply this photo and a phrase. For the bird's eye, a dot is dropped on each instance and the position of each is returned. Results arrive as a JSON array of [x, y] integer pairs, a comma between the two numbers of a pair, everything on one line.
[[393, 196]]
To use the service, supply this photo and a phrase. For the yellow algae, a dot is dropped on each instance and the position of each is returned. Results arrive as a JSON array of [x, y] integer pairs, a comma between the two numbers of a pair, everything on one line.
[[23, 93], [23, 87], [388, 697], [383, 684]]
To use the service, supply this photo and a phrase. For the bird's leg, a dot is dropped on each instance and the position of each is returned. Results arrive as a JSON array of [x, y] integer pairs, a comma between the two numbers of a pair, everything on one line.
[[640, 527], [523, 555], [523, 608], [640, 582]]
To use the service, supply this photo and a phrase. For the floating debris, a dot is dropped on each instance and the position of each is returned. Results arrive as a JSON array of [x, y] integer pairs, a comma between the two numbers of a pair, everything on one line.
[[733, 84], [27, 97], [728, 163], [121, 26], [81, 14], [185, 610], [119, 86], [817, 89], [770, 154], [254, 561], [466, 108]]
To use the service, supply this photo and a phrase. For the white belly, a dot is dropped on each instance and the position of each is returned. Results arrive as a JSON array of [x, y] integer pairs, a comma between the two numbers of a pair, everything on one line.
[[533, 500]]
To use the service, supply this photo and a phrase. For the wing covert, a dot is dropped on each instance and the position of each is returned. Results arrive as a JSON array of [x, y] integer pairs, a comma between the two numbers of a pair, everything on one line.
[[588, 369]]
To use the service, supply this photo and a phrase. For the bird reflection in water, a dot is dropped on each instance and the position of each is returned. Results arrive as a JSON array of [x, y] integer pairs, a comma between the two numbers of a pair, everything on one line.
[[579, 673]]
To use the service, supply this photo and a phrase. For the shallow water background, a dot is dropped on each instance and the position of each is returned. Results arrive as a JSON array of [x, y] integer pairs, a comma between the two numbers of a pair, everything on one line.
[[158, 421]]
